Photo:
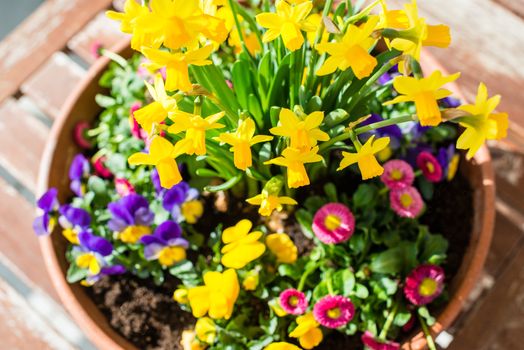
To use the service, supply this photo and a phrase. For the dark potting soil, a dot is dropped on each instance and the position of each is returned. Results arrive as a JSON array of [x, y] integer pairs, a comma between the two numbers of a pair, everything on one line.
[[148, 317]]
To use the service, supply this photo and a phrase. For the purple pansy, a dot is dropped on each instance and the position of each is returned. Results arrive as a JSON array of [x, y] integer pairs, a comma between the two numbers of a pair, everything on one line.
[[444, 157], [78, 171], [167, 234], [48, 203], [155, 179], [73, 218], [95, 244], [131, 210], [450, 102], [176, 196], [389, 75], [393, 131]]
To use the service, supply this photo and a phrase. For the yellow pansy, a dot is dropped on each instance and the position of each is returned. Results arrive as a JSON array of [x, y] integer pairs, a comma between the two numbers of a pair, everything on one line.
[[131, 234], [483, 124], [71, 235], [157, 111], [162, 155], [269, 202], [308, 332], [288, 22], [195, 127], [365, 157], [283, 247], [217, 296], [304, 133], [89, 261], [241, 141], [274, 304], [352, 51], [180, 296], [241, 246], [192, 211], [177, 65], [294, 159], [281, 346], [189, 341], [169, 256], [424, 92], [206, 330]]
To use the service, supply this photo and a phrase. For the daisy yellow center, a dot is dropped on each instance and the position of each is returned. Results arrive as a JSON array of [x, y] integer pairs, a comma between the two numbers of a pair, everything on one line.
[[334, 313], [332, 222], [431, 167], [396, 174], [406, 200], [428, 287], [293, 301]]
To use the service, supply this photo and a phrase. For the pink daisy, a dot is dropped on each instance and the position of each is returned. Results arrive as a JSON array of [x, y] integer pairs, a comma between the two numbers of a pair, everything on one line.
[[100, 167], [95, 49], [397, 174], [80, 136], [123, 187], [406, 202], [293, 301], [375, 344], [333, 223], [334, 311], [424, 284], [430, 166]]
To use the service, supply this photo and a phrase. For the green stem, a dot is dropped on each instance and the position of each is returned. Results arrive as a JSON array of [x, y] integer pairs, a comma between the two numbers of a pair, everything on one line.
[[305, 275], [114, 57], [292, 80], [324, 146], [389, 321], [384, 123], [427, 333], [246, 16]]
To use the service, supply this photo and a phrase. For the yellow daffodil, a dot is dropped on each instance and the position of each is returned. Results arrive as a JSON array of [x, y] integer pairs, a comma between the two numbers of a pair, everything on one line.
[[131, 234], [217, 296], [283, 247], [316, 21], [157, 111], [195, 127], [483, 124], [269, 202], [189, 341], [365, 157], [250, 39], [206, 330], [89, 261], [133, 11], [177, 65], [241, 246], [424, 92], [294, 159], [352, 51], [192, 211], [241, 142], [180, 296], [308, 332], [288, 22], [303, 133], [162, 155], [396, 19], [251, 280], [281, 346]]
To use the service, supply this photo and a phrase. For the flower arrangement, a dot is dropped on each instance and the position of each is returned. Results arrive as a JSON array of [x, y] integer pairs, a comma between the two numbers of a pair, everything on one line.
[[240, 121]]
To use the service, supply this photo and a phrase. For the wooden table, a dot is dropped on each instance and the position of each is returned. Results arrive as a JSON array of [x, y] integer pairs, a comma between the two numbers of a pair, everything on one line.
[[49, 53]]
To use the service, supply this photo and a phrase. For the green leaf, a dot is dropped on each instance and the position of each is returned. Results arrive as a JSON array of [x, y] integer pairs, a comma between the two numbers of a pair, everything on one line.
[[364, 195], [305, 220], [336, 117], [314, 104], [344, 282], [97, 185], [361, 291], [204, 172], [226, 185], [331, 192], [104, 101], [255, 110], [185, 271], [435, 248], [241, 76], [426, 188], [424, 313], [75, 274], [320, 290], [287, 270], [402, 258]]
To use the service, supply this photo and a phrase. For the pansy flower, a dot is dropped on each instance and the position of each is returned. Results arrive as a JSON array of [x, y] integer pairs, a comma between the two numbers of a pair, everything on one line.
[[73, 221], [293, 301], [376, 344], [241, 245], [166, 244], [333, 223], [430, 166], [131, 218], [406, 202], [449, 160], [392, 131], [206, 330], [334, 311], [307, 331], [283, 247], [424, 284], [78, 172], [182, 202], [397, 174], [43, 224], [389, 75]]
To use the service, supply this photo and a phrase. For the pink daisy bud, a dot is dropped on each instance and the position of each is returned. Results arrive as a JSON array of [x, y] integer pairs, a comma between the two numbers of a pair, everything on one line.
[[375, 344], [100, 168], [95, 49], [293, 301], [80, 137], [424, 284], [406, 202], [334, 311], [397, 174], [123, 187], [430, 166], [333, 223]]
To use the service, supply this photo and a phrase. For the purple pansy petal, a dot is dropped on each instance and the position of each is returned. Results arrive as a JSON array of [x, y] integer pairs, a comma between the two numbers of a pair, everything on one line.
[[113, 270], [144, 217], [168, 230], [95, 244], [450, 102], [121, 217], [41, 225], [48, 201], [75, 217], [176, 195], [79, 167], [76, 187], [178, 242], [151, 251], [150, 239], [155, 179]]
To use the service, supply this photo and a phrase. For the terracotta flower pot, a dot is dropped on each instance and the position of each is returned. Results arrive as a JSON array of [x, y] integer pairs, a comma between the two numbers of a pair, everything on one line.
[[59, 152]]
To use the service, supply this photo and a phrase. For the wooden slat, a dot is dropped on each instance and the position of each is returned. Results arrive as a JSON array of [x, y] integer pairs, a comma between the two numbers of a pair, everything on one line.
[[516, 6], [47, 30]]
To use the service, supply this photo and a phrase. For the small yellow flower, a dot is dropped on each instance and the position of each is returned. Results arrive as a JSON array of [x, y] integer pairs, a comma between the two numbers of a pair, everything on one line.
[[288, 22], [89, 261], [169, 256], [274, 304], [157, 111], [195, 127], [269, 202], [241, 142], [180, 296], [241, 246], [424, 92], [192, 211], [177, 65], [250, 282], [217, 296], [352, 51], [132, 234], [281, 346], [303, 134], [162, 155], [283, 247], [365, 157], [205, 329], [71, 235], [294, 159], [483, 124], [308, 332]]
